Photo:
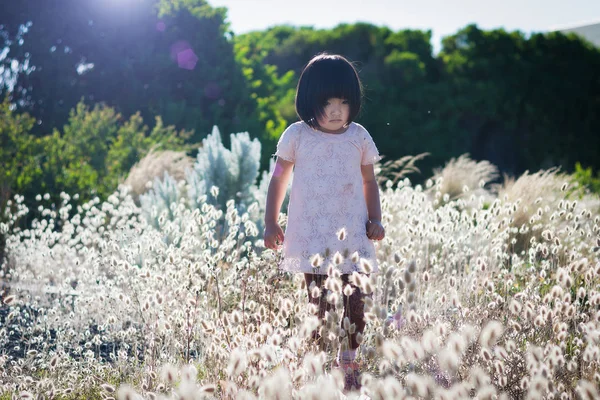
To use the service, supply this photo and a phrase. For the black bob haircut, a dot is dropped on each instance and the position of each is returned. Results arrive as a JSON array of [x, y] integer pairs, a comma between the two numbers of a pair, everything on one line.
[[326, 76]]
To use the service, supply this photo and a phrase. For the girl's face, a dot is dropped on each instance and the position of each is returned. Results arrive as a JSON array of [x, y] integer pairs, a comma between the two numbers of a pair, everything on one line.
[[337, 112]]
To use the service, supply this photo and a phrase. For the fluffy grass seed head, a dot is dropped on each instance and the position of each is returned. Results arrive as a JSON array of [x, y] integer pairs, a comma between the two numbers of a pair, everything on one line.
[[365, 266], [237, 363], [338, 258], [126, 392], [348, 290], [168, 374], [490, 333], [316, 261]]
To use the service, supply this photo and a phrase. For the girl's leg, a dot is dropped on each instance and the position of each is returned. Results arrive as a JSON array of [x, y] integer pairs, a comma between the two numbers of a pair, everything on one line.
[[354, 309], [320, 301]]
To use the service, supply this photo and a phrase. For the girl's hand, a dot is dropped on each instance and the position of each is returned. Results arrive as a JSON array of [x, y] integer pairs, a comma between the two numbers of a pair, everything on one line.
[[273, 236], [375, 230]]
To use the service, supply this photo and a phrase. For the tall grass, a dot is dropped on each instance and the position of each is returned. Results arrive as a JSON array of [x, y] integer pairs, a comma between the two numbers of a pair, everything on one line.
[[480, 294]]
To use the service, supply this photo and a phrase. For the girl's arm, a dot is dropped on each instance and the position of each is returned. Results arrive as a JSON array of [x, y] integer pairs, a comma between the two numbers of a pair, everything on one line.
[[375, 229], [277, 189]]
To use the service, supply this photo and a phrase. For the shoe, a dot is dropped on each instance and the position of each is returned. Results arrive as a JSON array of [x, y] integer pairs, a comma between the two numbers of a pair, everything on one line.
[[351, 372]]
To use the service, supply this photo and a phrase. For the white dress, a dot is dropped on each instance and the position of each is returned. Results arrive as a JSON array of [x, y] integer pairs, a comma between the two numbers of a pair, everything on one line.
[[327, 197]]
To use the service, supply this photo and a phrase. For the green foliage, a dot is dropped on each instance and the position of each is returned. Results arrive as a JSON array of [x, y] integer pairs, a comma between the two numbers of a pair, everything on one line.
[[18, 151], [528, 102], [274, 94], [133, 142], [74, 159], [97, 148], [586, 179], [519, 102], [20, 162], [397, 68], [168, 58], [404, 65]]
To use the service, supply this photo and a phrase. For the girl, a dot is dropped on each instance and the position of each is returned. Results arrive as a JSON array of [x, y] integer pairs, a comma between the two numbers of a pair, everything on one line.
[[334, 211]]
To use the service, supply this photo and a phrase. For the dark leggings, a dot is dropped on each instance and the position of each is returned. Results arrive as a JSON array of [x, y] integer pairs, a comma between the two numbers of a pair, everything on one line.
[[354, 306]]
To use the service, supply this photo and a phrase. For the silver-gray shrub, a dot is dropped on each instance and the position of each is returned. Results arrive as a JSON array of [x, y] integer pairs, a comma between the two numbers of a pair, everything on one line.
[[159, 199], [233, 171]]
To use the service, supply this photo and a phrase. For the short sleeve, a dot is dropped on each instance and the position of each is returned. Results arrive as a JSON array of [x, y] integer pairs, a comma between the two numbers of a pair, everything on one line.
[[370, 154], [286, 147]]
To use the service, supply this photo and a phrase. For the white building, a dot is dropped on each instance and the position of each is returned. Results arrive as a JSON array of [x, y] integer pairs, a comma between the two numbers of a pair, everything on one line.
[[589, 32]]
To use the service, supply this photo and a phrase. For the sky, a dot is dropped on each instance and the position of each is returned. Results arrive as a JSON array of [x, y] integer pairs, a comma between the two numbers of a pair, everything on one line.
[[443, 17]]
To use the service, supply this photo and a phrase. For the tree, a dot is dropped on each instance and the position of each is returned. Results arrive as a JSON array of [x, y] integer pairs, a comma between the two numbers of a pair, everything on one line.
[[395, 68], [526, 103], [19, 152], [172, 58], [520, 102], [20, 162]]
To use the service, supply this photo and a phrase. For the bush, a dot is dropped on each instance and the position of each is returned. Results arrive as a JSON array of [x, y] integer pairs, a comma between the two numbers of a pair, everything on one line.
[[585, 178], [20, 163], [154, 165], [535, 201], [219, 176], [97, 148], [463, 176]]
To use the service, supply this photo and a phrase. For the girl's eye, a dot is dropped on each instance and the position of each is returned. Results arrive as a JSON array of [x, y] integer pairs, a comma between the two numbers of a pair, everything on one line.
[[345, 102]]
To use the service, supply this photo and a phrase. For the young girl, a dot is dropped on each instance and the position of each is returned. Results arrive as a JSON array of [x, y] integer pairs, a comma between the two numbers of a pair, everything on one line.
[[334, 211]]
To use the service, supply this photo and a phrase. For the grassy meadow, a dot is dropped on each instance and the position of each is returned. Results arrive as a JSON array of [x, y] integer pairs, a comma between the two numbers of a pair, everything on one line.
[[484, 291]]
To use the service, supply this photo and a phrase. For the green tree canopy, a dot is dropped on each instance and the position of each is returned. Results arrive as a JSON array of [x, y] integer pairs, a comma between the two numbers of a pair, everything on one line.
[[172, 58], [520, 102]]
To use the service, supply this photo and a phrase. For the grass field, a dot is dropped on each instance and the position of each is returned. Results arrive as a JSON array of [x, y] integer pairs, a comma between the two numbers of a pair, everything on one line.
[[482, 292]]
